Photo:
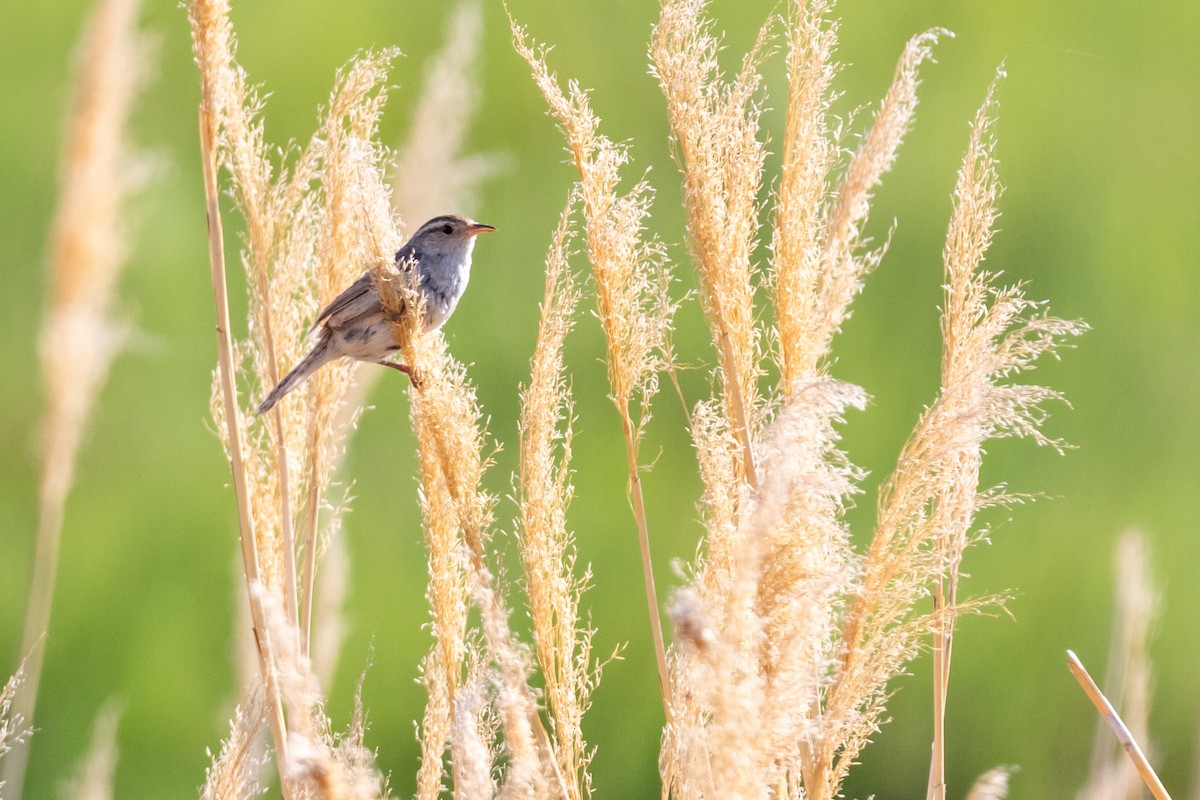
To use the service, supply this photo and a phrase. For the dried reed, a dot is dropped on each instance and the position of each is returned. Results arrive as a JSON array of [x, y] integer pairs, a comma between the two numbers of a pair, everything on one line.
[[786, 636], [309, 230], [1110, 716], [458, 517], [632, 280], [562, 642], [80, 336], [714, 125]]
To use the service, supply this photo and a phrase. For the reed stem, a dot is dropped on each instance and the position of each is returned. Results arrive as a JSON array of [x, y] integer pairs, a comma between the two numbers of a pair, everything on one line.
[[1110, 715], [250, 560]]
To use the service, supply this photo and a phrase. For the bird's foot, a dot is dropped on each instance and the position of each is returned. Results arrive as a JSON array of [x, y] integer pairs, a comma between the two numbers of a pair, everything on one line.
[[414, 377]]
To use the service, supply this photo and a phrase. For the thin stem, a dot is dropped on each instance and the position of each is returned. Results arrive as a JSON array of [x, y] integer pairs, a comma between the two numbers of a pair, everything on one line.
[[639, 514], [941, 662], [216, 254], [285, 511], [310, 550], [737, 407], [473, 537], [1110, 715]]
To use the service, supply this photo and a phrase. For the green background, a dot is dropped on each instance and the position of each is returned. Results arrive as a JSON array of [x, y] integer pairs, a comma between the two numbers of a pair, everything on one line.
[[1100, 154]]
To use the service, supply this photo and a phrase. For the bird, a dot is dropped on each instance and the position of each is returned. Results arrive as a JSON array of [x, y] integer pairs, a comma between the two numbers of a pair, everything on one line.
[[356, 325]]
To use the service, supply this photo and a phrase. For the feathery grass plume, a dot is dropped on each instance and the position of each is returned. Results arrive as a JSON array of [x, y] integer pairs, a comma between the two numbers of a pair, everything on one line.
[[927, 506], [562, 642], [235, 772], [94, 778], [1128, 677], [474, 734], [810, 153], [818, 262], [458, 516], [80, 336], [455, 511], [320, 763], [631, 277], [353, 227], [312, 222], [991, 785], [714, 126], [738, 727]]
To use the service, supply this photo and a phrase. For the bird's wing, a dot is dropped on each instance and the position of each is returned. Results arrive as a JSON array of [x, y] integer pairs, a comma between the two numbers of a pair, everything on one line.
[[357, 300]]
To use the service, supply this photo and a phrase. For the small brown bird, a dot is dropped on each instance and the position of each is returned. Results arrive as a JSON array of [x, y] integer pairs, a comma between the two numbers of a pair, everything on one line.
[[355, 325]]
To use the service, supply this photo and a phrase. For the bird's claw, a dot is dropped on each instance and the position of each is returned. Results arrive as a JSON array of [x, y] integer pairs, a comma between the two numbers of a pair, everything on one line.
[[414, 377]]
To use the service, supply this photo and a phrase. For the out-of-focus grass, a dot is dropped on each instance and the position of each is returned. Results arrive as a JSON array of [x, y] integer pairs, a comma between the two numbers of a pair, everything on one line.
[[1099, 153]]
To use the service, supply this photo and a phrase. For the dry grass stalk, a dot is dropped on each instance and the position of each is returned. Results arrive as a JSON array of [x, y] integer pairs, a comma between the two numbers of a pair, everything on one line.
[[818, 262], [80, 336], [631, 279], [801, 202], [353, 227], [320, 764], [1113, 719], [1128, 676], [94, 780], [714, 124], [562, 642], [227, 411], [458, 516], [309, 230], [739, 726]]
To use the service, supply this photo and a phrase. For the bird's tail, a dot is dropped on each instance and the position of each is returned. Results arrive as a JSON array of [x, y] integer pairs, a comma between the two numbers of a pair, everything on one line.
[[307, 366]]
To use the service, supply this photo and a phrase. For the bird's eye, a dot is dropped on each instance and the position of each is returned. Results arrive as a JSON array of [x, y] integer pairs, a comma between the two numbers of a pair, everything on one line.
[[447, 229]]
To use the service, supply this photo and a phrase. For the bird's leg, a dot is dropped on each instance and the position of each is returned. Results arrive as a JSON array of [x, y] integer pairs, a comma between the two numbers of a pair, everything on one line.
[[413, 378]]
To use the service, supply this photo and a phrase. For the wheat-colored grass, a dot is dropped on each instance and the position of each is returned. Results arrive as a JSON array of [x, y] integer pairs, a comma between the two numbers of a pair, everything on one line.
[[632, 283], [236, 772], [562, 639], [458, 517], [312, 223], [991, 785], [1123, 735], [81, 334], [715, 131], [786, 636]]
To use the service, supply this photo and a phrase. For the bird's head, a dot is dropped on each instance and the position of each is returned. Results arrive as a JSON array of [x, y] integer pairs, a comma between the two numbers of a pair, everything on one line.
[[448, 235]]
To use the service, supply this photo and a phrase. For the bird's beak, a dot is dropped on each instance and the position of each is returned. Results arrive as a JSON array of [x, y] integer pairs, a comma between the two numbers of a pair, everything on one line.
[[477, 228]]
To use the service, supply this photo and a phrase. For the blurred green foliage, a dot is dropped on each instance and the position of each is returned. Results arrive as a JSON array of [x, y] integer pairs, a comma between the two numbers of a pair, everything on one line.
[[1101, 157]]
